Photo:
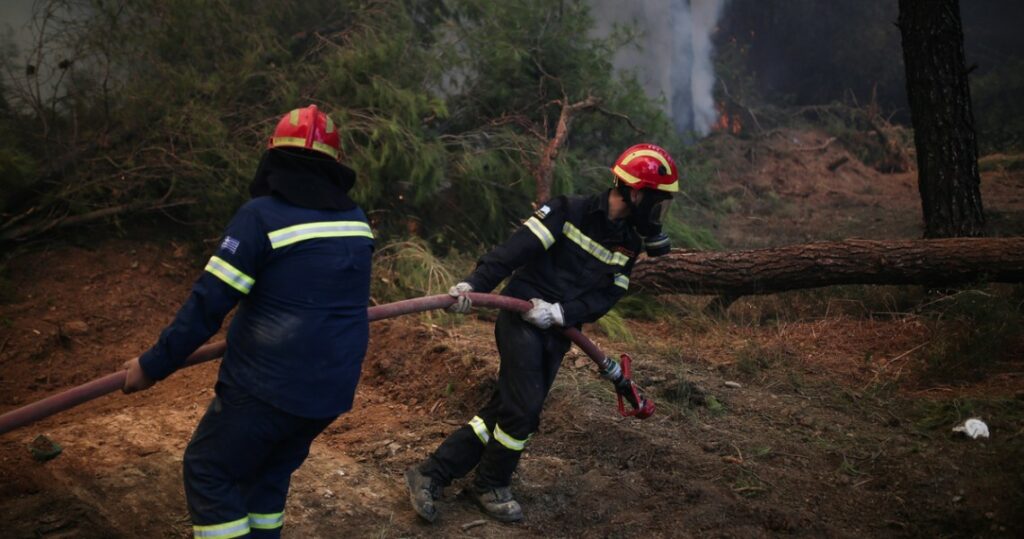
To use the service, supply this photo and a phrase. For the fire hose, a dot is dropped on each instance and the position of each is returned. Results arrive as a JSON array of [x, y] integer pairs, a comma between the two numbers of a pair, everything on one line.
[[618, 373]]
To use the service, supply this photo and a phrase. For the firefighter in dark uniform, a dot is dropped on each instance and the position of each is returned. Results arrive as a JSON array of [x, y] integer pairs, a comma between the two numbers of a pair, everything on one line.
[[296, 258], [572, 260]]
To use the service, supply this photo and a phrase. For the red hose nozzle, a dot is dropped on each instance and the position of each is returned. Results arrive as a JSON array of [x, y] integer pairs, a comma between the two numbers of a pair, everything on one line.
[[628, 391]]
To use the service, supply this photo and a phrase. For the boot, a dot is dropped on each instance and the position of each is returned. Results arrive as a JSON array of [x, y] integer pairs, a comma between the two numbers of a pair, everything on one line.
[[497, 503], [423, 491]]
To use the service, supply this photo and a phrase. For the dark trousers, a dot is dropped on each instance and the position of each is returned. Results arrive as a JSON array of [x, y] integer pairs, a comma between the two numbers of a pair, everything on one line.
[[493, 441], [239, 463]]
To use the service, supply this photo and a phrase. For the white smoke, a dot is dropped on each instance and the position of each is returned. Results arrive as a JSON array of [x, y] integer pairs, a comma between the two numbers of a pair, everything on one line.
[[673, 58]]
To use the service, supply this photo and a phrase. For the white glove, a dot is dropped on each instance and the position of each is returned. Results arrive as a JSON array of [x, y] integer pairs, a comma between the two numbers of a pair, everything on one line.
[[462, 303], [544, 314]]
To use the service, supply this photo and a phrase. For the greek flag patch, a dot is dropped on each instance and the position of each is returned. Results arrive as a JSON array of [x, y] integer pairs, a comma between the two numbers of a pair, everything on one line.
[[229, 244], [542, 212]]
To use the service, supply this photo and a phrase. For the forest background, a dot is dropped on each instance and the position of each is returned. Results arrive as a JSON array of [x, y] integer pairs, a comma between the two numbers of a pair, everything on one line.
[[143, 111]]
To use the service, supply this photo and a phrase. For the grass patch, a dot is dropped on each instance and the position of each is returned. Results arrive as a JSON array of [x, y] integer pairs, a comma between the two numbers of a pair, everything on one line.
[[408, 268], [1001, 162], [754, 357], [613, 324], [972, 331]]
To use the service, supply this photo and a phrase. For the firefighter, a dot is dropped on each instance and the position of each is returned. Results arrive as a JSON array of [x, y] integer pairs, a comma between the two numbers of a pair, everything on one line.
[[296, 259], [572, 260]]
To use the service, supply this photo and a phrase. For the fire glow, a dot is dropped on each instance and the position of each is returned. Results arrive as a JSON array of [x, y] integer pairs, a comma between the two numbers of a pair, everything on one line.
[[727, 122]]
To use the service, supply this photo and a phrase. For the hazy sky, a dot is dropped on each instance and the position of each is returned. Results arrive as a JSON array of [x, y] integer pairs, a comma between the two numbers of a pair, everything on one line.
[[14, 16]]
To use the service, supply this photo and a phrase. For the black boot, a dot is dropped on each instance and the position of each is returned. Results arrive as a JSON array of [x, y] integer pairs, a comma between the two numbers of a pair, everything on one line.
[[497, 503], [423, 491]]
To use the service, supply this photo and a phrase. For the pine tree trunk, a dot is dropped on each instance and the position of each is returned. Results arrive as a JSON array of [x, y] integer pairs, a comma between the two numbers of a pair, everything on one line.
[[927, 262], [940, 107]]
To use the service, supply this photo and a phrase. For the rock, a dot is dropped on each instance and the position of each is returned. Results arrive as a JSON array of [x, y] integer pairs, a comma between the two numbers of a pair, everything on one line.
[[733, 385], [76, 328], [44, 449]]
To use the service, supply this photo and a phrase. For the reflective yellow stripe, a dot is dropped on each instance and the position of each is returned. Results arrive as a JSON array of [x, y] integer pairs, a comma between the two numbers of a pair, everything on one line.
[[293, 117], [227, 530], [230, 274], [648, 153], [599, 251], [504, 439], [631, 179], [480, 429], [547, 239], [622, 281], [330, 125], [266, 521], [301, 143], [325, 229]]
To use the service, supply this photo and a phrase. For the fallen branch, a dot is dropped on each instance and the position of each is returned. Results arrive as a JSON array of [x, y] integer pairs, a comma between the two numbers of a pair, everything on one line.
[[34, 229], [937, 262]]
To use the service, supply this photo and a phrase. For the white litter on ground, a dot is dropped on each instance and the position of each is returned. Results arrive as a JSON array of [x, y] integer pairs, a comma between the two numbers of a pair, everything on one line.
[[973, 427]]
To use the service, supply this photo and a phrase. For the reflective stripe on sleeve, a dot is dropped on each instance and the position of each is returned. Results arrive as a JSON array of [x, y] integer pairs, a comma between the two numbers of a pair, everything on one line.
[[599, 251], [504, 439], [325, 229], [227, 530], [622, 281], [266, 521], [229, 274], [480, 429], [547, 239]]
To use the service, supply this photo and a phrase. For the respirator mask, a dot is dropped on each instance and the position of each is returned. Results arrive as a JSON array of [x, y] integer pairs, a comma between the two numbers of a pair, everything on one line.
[[647, 214]]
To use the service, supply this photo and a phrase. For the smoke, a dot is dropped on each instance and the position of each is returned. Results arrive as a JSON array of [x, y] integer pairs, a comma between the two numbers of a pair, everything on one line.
[[673, 55]]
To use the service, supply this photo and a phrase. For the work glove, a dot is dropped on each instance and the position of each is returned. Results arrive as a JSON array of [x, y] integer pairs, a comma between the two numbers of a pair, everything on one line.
[[135, 379], [544, 314], [462, 303]]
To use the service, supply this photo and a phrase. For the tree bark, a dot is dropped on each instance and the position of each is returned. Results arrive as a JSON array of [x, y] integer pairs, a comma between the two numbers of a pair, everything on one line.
[[764, 271], [940, 108]]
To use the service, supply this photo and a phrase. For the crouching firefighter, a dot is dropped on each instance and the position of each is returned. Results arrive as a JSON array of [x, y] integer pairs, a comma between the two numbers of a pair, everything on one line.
[[572, 260], [296, 258]]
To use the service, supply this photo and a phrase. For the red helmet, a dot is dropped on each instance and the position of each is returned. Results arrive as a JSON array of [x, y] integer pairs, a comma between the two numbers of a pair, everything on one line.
[[307, 128], [646, 166]]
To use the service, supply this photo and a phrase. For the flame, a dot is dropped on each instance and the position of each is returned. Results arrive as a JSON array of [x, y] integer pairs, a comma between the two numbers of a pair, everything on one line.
[[727, 123]]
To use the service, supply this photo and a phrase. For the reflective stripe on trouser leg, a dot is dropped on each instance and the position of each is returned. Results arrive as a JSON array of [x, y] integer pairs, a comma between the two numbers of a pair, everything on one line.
[[265, 494], [266, 521], [509, 441], [529, 362], [225, 530], [239, 462], [458, 454], [480, 429]]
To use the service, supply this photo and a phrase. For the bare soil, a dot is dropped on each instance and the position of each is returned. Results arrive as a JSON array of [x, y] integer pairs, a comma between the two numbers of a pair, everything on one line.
[[834, 430]]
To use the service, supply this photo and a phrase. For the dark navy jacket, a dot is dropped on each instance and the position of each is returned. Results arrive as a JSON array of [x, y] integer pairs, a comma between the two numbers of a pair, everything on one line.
[[302, 278], [567, 252]]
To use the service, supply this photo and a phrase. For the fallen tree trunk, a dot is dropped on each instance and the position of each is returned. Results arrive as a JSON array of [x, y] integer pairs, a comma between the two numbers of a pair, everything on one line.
[[764, 271]]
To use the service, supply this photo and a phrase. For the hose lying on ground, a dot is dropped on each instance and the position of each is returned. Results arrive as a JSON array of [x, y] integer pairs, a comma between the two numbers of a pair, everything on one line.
[[114, 381]]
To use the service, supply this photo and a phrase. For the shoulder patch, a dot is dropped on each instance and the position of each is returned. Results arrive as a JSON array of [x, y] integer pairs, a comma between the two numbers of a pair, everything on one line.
[[230, 244], [542, 211]]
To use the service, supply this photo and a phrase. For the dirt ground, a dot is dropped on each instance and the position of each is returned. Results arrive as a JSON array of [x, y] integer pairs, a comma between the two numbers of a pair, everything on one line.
[[829, 426]]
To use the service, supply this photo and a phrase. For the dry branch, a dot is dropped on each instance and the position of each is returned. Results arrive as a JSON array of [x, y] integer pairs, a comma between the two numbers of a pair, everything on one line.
[[547, 160], [765, 271]]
